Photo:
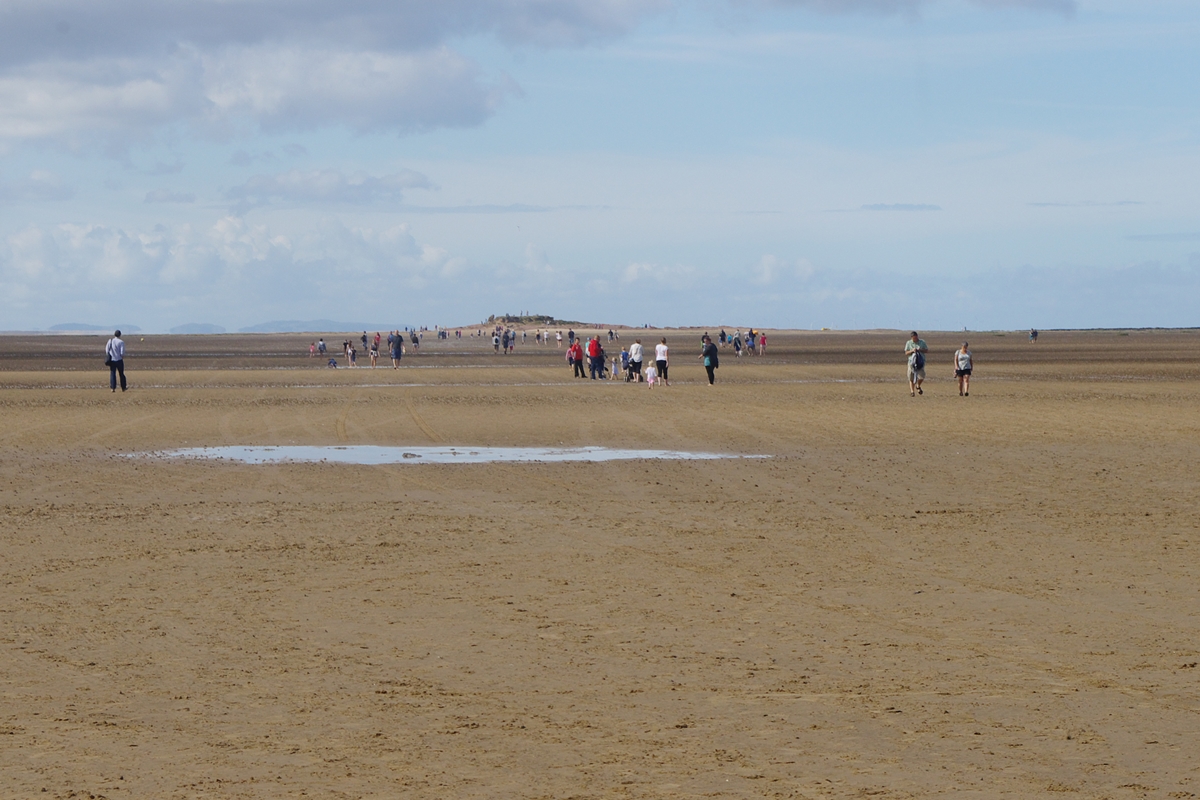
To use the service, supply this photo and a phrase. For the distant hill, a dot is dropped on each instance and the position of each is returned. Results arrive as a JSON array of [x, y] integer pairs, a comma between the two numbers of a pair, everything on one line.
[[314, 326], [198, 327], [79, 326]]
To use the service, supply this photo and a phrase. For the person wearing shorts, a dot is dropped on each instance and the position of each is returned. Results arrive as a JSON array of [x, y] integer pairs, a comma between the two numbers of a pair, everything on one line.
[[660, 360], [963, 361], [915, 350]]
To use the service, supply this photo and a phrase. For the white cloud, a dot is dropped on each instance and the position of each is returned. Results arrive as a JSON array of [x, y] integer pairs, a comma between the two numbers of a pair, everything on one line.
[[70, 68], [673, 276], [231, 259], [913, 6], [771, 270], [39, 185], [302, 88], [325, 186], [167, 196], [901, 207]]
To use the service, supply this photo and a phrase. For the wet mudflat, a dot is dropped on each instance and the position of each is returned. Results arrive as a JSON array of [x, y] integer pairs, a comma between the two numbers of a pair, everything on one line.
[[913, 597]]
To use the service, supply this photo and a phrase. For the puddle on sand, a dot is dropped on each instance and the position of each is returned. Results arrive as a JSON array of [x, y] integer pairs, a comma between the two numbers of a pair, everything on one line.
[[373, 454]]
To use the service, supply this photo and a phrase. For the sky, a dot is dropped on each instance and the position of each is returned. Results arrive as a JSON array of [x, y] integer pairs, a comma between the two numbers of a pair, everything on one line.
[[928, 164]]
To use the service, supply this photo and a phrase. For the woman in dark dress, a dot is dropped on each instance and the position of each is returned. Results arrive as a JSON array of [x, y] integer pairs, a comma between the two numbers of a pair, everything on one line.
[[709, 356]]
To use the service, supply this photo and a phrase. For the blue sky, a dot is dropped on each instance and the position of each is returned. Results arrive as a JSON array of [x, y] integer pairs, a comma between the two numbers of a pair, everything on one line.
[[837, 163]]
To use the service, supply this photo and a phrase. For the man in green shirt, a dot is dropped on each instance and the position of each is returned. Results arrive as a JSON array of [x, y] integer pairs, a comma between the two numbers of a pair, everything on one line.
[[915, 350]]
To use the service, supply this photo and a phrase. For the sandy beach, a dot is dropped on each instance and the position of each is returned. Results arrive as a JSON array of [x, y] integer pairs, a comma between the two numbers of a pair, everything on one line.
[[993, 596]]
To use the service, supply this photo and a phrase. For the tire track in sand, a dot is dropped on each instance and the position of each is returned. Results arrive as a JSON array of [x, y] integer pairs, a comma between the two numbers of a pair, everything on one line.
[[422, 424], [340, 426]]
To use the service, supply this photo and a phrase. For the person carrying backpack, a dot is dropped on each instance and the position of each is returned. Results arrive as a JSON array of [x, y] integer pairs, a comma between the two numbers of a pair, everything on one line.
[[915, 350]]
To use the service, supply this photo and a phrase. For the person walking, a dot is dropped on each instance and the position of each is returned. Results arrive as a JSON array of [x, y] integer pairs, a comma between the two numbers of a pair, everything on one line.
[[660, 360], [710, 358], [635, 360], [397, 349], [915, 350], [595, 362], [963, 360], [321, 346], [575, 352], [114, 358]]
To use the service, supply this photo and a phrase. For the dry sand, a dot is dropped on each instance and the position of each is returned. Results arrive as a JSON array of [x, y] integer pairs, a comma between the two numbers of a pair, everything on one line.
[[940, 596]]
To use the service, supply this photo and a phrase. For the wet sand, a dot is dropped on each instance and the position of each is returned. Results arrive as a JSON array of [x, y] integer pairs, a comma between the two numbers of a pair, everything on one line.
[[913, 597]]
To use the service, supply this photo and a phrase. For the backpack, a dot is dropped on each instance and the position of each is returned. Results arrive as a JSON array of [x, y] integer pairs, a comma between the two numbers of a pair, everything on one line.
[[918, 360]]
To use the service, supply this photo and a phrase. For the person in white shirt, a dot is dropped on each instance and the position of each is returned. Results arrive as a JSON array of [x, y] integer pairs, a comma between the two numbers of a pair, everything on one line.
[[651, 375], [660, 360], [963, 361], [114, 353], [635, 359]]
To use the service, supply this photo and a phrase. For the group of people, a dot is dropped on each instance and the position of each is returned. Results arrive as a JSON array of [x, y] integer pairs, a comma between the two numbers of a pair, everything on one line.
[[755, 342], [630, 364], [915, 351], [395, 346]]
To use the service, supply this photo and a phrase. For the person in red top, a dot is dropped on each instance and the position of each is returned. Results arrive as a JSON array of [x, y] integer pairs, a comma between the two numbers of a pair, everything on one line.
[[595, 356], [575, 353]]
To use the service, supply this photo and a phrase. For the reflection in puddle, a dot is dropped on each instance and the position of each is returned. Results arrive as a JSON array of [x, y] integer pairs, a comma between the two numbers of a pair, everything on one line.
[[371, 454]]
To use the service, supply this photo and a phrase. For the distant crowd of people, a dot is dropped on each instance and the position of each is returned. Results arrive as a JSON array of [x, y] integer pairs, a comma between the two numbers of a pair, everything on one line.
[[629, 365]]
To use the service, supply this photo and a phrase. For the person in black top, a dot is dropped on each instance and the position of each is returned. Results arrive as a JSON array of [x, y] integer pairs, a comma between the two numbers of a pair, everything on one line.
[[709, 355]]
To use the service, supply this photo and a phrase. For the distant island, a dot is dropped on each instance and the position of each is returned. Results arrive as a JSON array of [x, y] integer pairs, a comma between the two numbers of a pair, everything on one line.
[[198, 327]]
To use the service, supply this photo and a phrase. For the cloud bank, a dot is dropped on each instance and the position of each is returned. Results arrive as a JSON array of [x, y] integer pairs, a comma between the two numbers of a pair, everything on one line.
[[70, 69]]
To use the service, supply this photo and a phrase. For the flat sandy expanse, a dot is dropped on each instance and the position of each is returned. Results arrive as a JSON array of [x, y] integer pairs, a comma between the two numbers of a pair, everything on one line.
[[913, 597]]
